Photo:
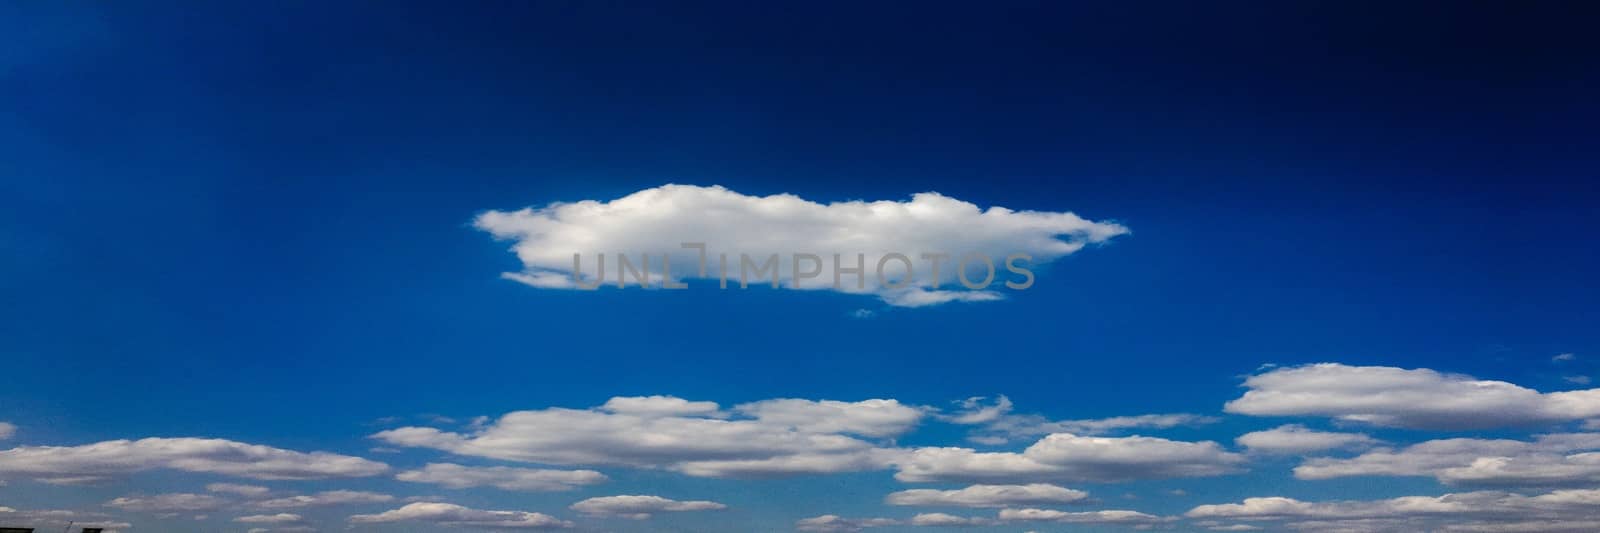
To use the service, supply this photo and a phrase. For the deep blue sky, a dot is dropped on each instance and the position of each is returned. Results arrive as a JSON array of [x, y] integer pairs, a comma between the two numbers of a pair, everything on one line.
[[252, 220]]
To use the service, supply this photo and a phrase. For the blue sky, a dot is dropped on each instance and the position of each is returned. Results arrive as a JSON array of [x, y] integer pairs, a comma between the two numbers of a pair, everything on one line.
[[261, 224]]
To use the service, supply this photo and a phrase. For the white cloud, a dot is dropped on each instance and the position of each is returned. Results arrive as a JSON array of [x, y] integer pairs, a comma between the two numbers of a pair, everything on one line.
[[949, 520], [834, 523], [1562, 357], [168, 503], [1085, 517], [657, 220], [502, 477], [999, 425], [659, 406], [280, 518], [639, 507], [1419, 398], [1068, 457], [974, 411], [988, 496], [7, 430], [105, 460], [764, 438], [57, 518], [248, 491], [1297, 439], [871, 418], [794, 436], [446, 514], [331, 497], [1565, 510], [1548, 460]]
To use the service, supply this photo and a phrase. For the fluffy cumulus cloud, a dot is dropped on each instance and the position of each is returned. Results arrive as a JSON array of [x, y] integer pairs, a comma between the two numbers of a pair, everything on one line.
[[1561, 459], [989, 496], [1068, 457], [1407, 398], [101, 461], [639, 507], [451, 515], [655, 221], [793, 436], [772, 437], [1488, 511], [1297, 439], [502, 477]]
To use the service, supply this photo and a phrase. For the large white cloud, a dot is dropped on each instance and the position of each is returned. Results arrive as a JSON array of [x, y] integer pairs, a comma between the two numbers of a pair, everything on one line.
[[1068, 457], [763, 438], [502, 477], [1548, 460], [1296, 439], [1409, 398], [451, 515], [639, 507], [657, 220], [105, 460], [988, 496], [1565, 510], [792, 436]]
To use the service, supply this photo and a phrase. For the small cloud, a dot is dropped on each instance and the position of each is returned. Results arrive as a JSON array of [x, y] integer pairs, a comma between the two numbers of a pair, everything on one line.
[[863, 313], [1560, 357], [1577, 380], [640, 507]]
